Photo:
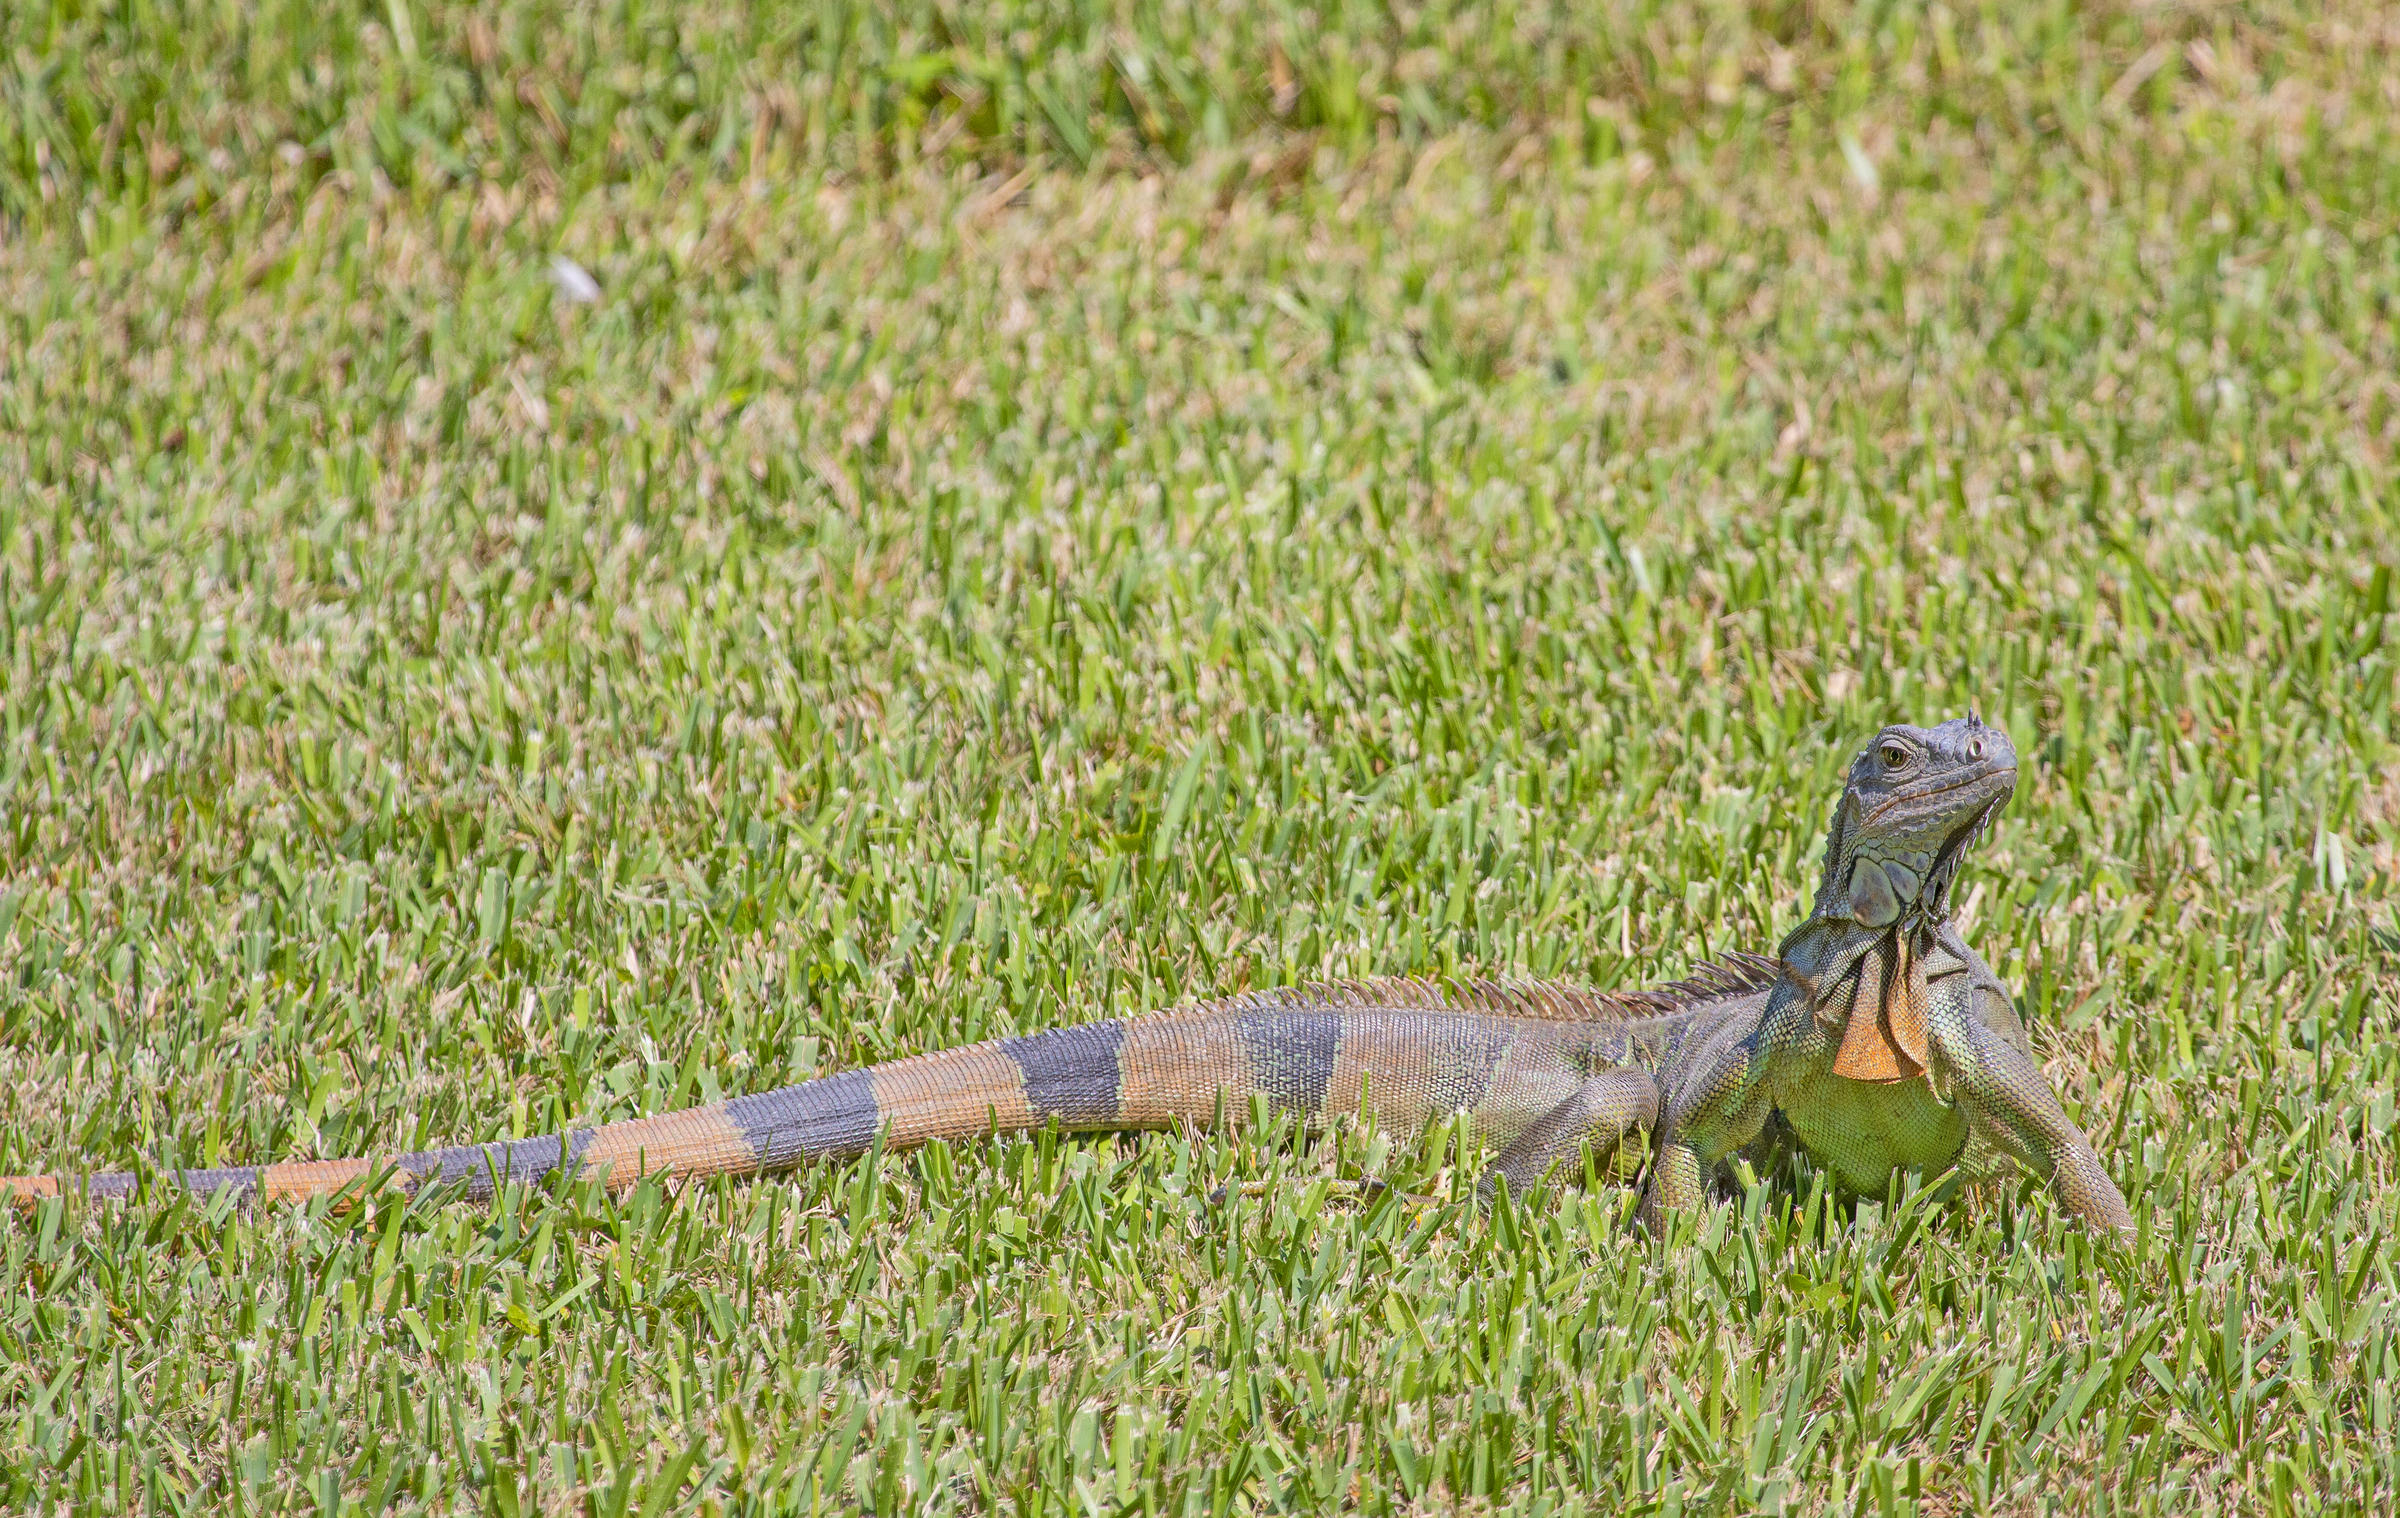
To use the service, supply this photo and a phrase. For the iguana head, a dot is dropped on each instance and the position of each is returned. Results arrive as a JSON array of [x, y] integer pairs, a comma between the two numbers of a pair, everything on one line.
[[1917, 797]]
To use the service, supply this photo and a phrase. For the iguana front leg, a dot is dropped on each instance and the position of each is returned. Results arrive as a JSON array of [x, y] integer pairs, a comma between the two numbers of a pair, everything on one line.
[[2012, 1106]]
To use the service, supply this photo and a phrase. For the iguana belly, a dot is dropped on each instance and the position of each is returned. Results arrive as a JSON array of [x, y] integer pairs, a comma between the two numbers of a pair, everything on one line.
[[1864, 1131]]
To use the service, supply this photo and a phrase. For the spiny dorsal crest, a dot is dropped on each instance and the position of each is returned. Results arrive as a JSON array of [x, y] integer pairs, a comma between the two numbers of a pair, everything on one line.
[[1739, 974]]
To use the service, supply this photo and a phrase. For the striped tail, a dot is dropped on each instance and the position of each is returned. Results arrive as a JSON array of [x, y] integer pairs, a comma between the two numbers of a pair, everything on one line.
[[1158, 1071], [1409, 1049]]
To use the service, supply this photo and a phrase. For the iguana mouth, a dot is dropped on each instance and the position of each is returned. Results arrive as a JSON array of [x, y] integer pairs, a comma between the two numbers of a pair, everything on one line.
[[1960, 782]]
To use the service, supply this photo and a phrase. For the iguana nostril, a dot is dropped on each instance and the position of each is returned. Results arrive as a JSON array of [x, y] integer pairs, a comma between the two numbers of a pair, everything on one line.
[[1975, 749]]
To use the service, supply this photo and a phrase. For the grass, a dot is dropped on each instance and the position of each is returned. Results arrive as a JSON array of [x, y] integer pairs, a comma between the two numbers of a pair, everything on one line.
[[1064, 509]]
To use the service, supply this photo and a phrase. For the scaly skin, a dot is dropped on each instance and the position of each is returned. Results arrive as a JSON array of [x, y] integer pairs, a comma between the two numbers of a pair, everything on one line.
[[1877, 1037]]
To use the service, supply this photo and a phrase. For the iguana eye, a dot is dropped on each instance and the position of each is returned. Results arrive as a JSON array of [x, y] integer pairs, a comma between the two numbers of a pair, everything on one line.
[[1894, 756]]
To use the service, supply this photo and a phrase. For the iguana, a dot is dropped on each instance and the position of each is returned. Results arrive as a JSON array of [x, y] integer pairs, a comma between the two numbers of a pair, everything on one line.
[[1875, 1040]]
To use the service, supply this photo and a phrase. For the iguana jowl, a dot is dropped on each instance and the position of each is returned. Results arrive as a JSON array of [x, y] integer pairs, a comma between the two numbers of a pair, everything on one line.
[[1876, 1041]]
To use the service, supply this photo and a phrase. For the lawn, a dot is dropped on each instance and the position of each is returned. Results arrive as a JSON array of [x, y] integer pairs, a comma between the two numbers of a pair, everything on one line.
[[1060, 509]]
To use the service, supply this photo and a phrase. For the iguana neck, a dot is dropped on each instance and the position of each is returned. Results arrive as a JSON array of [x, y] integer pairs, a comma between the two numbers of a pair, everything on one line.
[[1822, 951]]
